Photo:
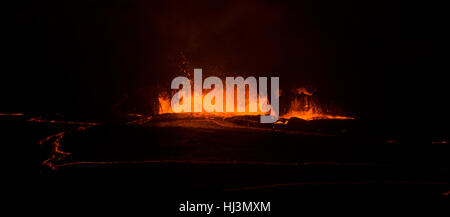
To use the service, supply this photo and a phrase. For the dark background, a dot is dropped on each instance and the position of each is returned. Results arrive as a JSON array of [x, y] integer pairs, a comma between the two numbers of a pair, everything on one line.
[[91, 59]]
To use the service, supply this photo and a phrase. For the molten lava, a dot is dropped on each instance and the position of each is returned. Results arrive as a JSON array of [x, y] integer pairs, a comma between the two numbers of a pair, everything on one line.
[[302, 106], [165, 107]]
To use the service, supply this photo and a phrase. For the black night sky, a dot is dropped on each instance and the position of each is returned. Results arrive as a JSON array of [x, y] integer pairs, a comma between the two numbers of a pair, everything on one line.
[[83, 58]]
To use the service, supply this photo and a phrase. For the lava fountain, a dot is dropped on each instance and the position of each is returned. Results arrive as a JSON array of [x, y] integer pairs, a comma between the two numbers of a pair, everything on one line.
[[201, 104]]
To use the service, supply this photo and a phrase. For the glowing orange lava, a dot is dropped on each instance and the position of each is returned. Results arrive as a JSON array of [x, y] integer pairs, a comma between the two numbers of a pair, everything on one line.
[[302, 106], [165, 107]]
